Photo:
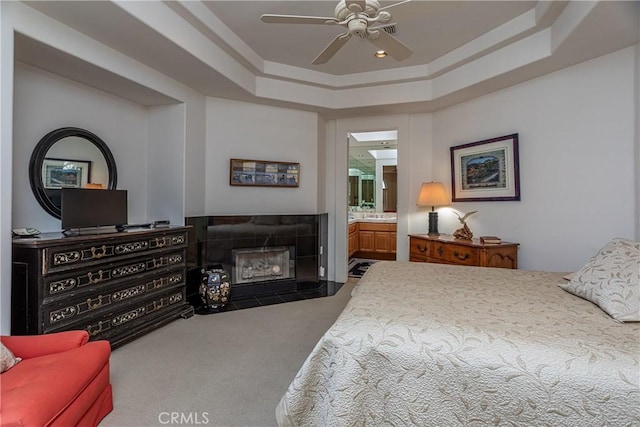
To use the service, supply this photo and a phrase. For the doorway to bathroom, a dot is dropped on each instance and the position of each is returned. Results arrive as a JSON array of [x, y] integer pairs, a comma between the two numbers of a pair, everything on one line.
[[372, 198]]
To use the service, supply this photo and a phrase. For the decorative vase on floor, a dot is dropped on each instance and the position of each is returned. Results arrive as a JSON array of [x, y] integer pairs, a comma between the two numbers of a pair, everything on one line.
[[215, 290]]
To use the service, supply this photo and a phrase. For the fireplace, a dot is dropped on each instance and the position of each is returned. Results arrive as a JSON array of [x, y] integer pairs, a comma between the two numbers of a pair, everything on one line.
[[263, 264], [263, 254]]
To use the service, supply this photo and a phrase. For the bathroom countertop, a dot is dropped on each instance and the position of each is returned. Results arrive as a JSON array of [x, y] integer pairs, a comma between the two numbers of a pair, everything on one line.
[[384, 220]]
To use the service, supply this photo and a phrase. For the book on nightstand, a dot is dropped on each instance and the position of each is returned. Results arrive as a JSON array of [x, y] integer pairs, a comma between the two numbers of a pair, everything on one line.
[[490, 240]]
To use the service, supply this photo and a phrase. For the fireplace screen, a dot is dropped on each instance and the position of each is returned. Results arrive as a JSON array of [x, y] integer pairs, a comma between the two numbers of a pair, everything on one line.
[[261, 264]]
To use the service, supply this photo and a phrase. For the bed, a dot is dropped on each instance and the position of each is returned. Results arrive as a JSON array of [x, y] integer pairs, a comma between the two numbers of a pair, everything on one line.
[[439, 345]]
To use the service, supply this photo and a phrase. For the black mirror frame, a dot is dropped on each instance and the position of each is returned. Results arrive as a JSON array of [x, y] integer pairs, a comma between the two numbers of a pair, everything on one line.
[[40, 152]]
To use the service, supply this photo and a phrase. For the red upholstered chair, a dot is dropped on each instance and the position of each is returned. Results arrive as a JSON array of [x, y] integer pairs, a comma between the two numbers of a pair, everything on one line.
[[62, 380]]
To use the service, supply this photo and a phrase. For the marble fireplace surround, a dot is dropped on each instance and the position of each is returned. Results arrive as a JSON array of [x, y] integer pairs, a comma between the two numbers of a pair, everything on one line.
[[214, 238]]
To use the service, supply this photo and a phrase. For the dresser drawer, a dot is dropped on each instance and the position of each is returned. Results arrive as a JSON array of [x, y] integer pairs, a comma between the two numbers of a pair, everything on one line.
[[106, 274], [125, 319], [73, 309], [60, 259], [418, 250], [455, 254]]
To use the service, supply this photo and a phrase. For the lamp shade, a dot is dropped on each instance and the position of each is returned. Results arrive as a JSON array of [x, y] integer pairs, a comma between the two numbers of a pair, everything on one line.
[[432, 194]]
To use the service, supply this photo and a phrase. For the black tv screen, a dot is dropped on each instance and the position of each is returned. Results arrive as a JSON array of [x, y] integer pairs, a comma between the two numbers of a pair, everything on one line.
[[93, 208]]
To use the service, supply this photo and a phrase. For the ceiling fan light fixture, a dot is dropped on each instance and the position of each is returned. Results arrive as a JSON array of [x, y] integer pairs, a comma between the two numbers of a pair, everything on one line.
[[361, 18]]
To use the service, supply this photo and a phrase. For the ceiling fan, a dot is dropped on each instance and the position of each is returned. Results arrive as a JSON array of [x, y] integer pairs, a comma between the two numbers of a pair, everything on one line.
[[362, 18]]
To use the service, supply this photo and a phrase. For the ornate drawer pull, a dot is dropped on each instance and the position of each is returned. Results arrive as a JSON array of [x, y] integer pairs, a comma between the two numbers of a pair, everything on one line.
[[92, 305], [421, 248], [460, 256], [97, 255], [440, 250], [98, 279], [93, 330], [160, 242]]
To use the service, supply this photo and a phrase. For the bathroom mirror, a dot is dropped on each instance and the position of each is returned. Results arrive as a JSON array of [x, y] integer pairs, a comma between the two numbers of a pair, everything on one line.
[[69, 158], [373, 175]]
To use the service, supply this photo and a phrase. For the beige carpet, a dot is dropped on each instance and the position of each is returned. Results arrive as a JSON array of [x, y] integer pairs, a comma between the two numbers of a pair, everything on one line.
[[224, 369]]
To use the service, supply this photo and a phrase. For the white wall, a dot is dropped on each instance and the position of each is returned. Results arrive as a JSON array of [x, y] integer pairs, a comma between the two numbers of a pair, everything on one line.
[[637, 114], [577, 160], [195, 158], [166, 164], [44, 102], [243, 130], [6, 149], [322, 165]]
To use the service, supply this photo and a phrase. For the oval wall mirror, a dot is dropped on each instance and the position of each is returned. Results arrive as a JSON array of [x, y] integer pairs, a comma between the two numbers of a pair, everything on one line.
[[69, 158]]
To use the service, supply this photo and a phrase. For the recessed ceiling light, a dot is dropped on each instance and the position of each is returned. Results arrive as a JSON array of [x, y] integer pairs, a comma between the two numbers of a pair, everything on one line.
[[380, 54]]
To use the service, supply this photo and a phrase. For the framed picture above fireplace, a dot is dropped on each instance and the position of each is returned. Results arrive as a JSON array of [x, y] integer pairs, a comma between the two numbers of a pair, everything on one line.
[[264, 173]]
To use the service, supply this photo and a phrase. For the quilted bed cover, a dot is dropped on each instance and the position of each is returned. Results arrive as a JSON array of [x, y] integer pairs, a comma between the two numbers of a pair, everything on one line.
[[438, 345]]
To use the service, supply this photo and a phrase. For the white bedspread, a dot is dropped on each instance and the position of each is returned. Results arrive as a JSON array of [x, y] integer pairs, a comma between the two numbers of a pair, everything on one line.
[[437, 345]]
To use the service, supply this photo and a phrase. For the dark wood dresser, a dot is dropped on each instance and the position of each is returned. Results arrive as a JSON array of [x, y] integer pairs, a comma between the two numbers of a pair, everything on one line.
[[447, 250], [117, 286]]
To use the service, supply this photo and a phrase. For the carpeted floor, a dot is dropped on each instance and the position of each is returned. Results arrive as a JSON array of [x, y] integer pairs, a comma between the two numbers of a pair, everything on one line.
[[224, 369], [358, 266]]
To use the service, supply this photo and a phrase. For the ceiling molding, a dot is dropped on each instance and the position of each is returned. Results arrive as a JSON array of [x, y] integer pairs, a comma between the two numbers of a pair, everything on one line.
[[188, 43]]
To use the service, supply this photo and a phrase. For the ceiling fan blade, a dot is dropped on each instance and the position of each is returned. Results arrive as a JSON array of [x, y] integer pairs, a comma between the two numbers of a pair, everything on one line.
[[393, 5], [356, 5], [295, 19], [394, 47], [331, 49]]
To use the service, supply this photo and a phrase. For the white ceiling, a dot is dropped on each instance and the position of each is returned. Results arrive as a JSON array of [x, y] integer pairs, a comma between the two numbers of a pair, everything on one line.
[[429, 28], [376, 136], [462, 49]]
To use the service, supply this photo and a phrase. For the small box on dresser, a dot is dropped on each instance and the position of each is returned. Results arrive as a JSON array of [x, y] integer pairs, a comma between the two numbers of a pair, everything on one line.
[[445, 249], [117, 286]]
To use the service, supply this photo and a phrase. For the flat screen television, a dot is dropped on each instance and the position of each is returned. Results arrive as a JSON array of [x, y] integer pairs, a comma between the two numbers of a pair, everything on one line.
[[82, 208]]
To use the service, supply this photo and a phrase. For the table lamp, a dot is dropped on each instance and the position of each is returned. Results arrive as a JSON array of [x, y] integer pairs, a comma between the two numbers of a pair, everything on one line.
[[433, 194]]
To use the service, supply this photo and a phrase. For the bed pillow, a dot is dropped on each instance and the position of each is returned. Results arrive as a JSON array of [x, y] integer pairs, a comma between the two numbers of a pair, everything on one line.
[[611, 279], [7, 359]]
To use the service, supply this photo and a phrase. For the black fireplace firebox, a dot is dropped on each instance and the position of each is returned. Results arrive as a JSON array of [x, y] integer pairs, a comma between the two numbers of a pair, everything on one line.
[[263, 264], [263, 254]]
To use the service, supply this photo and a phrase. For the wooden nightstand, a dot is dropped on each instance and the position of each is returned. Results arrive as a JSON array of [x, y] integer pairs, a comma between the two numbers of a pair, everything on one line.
[[446, 250]]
